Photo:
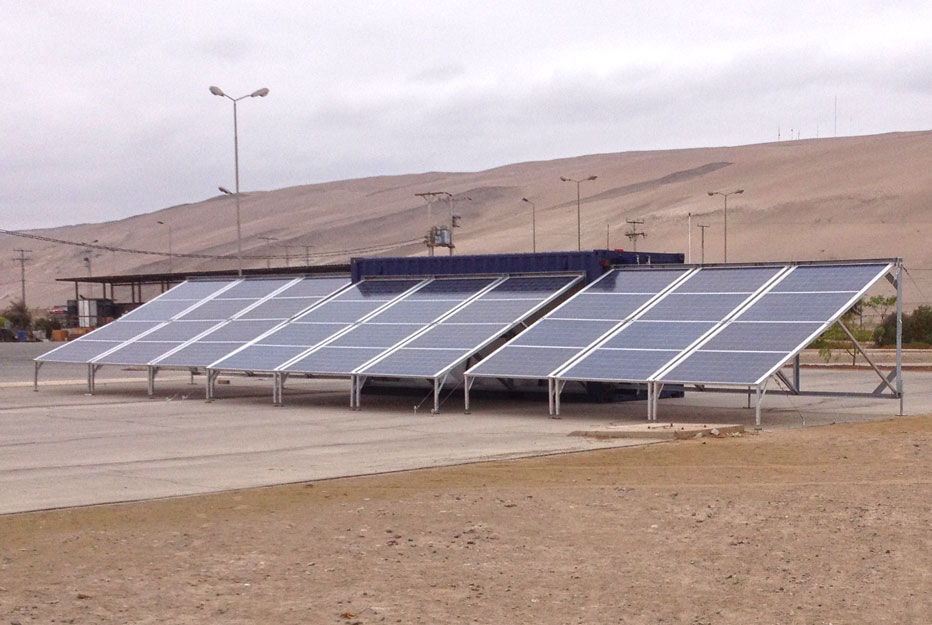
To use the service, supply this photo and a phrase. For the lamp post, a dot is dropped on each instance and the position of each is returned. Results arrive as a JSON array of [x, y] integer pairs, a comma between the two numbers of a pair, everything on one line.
[[169, 226], [268, 250], [533, 224], [725, 224], [259, 93], [578, 218], [702, 228]]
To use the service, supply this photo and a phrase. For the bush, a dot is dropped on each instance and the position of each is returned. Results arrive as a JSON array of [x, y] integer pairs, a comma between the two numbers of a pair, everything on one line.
[[917, 328], [18, 316], [46, 325]]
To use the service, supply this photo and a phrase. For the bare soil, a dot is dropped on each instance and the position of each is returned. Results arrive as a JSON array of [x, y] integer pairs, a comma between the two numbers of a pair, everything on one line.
[[812, 526]]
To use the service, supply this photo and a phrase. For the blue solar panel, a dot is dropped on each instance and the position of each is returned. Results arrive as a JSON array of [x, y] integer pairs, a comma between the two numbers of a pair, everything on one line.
[[620, 365], [375, 335], [253, 289], [797, 307], [763, 336], [334, 311], [413, 362], [563, 333], [217, 309], [80, 351], [636, 280], [179, 330], [540, 287], [383, 290], [694, 307], [451, 288], [420, 312], [306, 334], [198, 354], [158, 310], [314, 287], [241, 331], [138, 353], [658, 335], [457, 335], [601, 306], [120, 330], [194, 290], [728, 280], [334, 360], [493, 311], [725, 367], [259, 358], [829, 278], [516, 361], [279, 308]]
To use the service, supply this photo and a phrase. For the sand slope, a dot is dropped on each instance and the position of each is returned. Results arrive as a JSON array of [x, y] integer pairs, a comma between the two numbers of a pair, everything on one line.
[[852, 197]]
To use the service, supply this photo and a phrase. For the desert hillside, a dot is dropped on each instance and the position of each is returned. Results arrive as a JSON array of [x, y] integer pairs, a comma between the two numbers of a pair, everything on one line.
[[853, 197]]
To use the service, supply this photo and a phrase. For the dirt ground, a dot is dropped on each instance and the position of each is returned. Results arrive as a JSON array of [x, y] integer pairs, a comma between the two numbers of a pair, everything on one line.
[[813, 526]]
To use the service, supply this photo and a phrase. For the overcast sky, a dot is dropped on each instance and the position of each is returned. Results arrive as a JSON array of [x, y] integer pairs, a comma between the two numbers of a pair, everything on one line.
[[106, 112]]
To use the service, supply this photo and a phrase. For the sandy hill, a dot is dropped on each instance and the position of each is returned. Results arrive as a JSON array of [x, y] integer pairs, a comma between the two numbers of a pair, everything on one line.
[[853, 197]]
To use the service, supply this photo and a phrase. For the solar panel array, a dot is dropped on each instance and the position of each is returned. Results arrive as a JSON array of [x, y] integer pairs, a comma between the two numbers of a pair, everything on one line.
[[458, 336], [786, 319], [196, 322], [682, 316], [715, 325], [399, 327], [572, 327]]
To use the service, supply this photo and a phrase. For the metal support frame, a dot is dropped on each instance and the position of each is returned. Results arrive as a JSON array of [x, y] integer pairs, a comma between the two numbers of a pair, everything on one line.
[[92, 370], [150, 379], [467, 386], [35, 378], [212, 375], [438, 385]]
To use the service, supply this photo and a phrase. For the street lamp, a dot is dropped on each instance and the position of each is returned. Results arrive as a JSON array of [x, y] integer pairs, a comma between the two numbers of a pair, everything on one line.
[[169, 226], [259, 93], [725, 226], [268, 250], [533, 223], [578, 219]]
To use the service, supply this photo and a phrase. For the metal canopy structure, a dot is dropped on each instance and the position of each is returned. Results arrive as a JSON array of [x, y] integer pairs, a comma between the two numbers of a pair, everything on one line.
[[402, 328], [712, 326], [193, 324]]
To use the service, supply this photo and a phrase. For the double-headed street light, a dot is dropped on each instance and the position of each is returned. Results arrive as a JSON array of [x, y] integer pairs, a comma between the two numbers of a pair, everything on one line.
[[169, 226], [259, 93], [725, 225], [578, 218]]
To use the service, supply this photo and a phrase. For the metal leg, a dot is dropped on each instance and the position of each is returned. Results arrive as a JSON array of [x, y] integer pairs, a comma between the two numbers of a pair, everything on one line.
[[757, 409], [558, 388], [467, 384], [90, 379], [209, 391], [550, 384], [650, 402], [899, 336], [150, 376], [35, 379], [436, 408], [352, 393], [796, 373], [360, 381]]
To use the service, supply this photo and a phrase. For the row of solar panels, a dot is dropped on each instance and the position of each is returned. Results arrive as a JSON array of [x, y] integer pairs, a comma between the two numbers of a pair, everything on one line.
[[716, 325], [399, 327]]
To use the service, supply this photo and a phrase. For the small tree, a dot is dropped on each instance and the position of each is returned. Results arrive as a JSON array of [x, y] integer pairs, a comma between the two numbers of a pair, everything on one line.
[[18, 315]]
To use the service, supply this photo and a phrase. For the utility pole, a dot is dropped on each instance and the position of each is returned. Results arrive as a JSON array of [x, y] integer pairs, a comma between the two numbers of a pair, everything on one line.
[[307, 255], [21, 259], [702, 227], [633, 234], [268, 250]]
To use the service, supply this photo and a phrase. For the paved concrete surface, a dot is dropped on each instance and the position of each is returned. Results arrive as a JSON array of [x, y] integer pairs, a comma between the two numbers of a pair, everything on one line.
[[59, 447]]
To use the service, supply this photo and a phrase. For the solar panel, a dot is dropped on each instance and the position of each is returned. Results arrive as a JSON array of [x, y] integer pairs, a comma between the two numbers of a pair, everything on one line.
[[480, 322], [678, 319], [572, 327], [274, 302], [316, 326], [804, 302]]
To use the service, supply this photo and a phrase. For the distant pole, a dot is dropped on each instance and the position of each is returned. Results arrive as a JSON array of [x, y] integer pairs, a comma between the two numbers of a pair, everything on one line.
[[21, 259], [268, 250], [608, 240], [578, 212], [533, 224], [689, 238], [633, 234], [307, 255], [702, 227], [725, 232], [167, 225], [258, 93], [429, 197]]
